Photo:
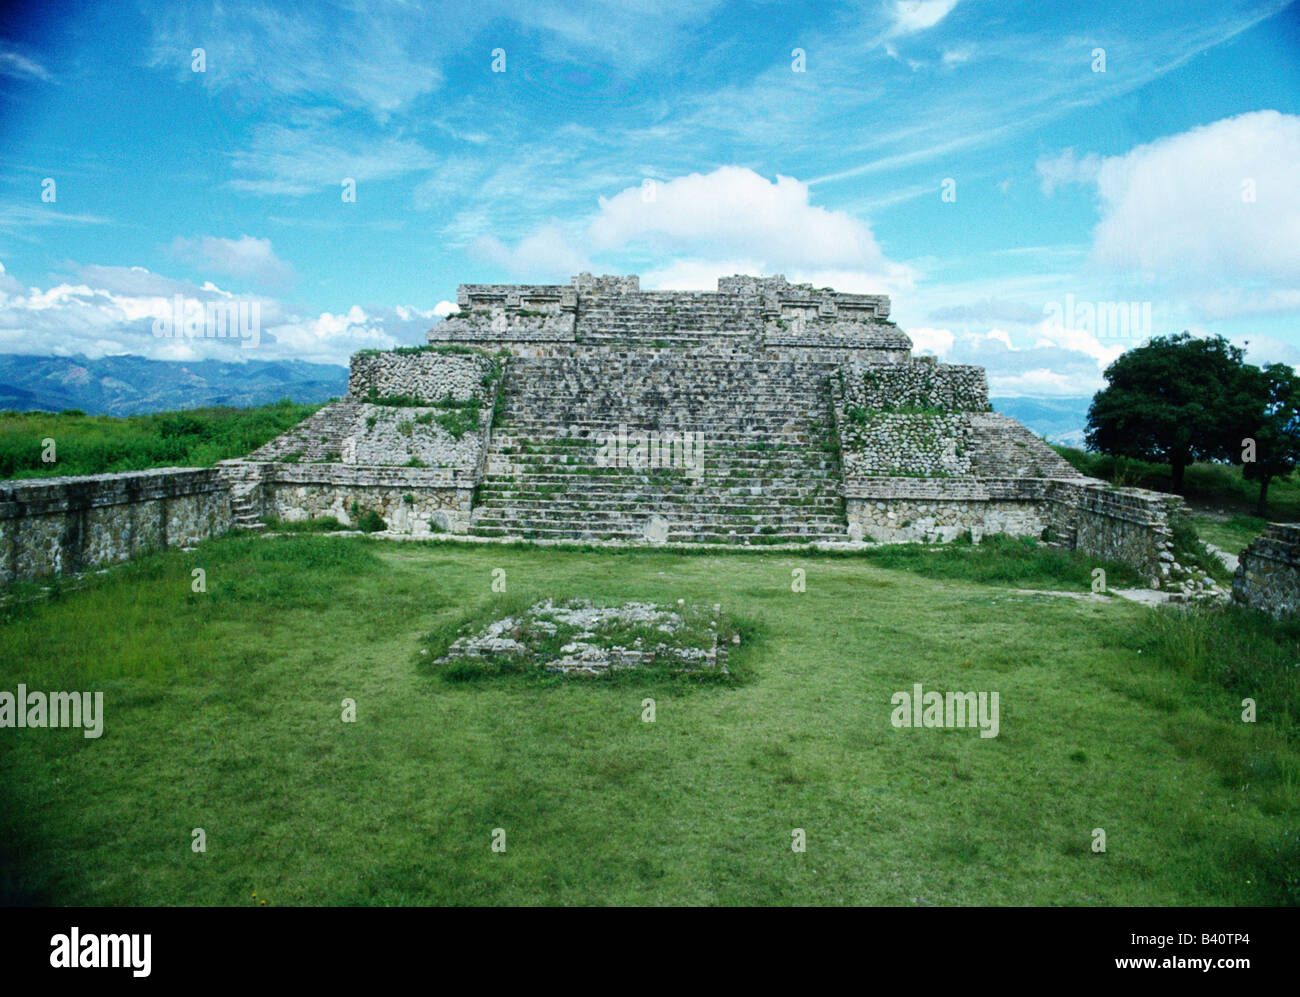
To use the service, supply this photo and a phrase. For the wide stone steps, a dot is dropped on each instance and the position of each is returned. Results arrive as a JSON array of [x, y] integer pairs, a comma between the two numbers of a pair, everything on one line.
[[322, 435], [710, 468], [1000, 447], [767, 472], [778, 486], [674, 535]]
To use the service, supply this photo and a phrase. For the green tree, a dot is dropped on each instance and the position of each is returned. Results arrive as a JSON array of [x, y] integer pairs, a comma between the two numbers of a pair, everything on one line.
[[1276, 433], [1174, 400]]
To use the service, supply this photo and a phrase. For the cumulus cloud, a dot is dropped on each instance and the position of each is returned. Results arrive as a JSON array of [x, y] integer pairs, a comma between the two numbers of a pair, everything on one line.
[[935, 341], [108, 311], [9, 285], [734, 211], [246, 258], [1043, 360], [708, 225], [548, 254], [1218, 203]]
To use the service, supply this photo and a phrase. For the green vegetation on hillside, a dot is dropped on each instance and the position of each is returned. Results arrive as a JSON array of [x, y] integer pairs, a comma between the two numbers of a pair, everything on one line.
[[98, 444], [223, 710]]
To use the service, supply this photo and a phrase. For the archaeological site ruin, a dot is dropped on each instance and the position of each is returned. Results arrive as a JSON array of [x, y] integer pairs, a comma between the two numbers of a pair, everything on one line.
[[763, 413]]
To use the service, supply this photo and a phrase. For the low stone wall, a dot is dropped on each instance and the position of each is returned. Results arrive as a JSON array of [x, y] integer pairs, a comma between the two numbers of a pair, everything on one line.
[[430, 375], [1268, 572], [51, 526], [1128, 525], [410, 500], [943, 520]]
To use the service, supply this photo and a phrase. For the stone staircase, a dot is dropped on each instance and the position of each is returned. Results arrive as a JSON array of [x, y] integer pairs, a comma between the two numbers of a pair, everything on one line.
[[326, 435], [1000, 447], [768, 475], [657, 318], [245, 481]]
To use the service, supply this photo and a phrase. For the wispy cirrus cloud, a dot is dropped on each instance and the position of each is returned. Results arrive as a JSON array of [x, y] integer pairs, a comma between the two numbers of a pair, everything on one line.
[[18, 66], [293, 162]]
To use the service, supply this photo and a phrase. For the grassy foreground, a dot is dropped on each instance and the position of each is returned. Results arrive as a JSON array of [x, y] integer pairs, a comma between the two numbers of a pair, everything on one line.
[[223, 712], [99, 444]]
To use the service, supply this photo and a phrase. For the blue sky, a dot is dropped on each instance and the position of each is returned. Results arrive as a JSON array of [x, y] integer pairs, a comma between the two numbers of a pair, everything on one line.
[[1171, 178]]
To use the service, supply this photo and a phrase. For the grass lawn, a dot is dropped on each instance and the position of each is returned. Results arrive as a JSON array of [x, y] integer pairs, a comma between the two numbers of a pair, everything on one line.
[[99, 444], [223, 712], [1232, 534]]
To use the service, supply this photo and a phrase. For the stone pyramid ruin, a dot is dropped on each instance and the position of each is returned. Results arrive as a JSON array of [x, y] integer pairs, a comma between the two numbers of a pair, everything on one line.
[[764, 412]]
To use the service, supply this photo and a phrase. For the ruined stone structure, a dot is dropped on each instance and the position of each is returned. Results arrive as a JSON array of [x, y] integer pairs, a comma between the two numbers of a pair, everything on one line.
[[1268, 571], [558, 412], [54, 526], [764, 413]]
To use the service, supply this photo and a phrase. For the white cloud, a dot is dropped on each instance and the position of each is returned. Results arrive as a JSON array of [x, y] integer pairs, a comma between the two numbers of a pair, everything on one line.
[[1175, 209], [705, 226], [1000, 336], [936, 341], [112, 310], [20, 67], [958, 56], [734, 211], [1066, 168], [548, 254], [1079, 341], [246, 257], [910, 16], [9, 285], [696, 275], [1042, 382]]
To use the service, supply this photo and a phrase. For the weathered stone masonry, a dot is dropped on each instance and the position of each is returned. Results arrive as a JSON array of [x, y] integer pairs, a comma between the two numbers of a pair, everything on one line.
[[1268, 572], [816, 425], [55, 525]]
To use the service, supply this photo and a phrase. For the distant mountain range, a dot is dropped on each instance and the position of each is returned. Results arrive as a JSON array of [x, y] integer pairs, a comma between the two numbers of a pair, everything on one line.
[[1061, 420], [130, 385]]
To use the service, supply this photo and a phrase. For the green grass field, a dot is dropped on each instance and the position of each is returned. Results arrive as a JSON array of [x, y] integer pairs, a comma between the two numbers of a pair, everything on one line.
[[98, 444], [223, 712]]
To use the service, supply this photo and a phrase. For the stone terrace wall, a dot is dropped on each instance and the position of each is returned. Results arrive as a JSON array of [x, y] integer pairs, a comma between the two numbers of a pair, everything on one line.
[[919, 445], [917, 383], [52, 526], [879, 440], [1129, 525], [427, 374], [594, 314], [410, 500], [1268, 573]]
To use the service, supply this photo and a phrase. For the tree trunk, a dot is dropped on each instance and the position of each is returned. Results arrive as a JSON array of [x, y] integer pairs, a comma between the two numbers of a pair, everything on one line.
[[1178, 467], [1261, 507]]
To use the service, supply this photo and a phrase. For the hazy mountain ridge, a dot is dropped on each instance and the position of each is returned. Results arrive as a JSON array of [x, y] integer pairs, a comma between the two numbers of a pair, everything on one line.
[[1060, 420], [131, 385]]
